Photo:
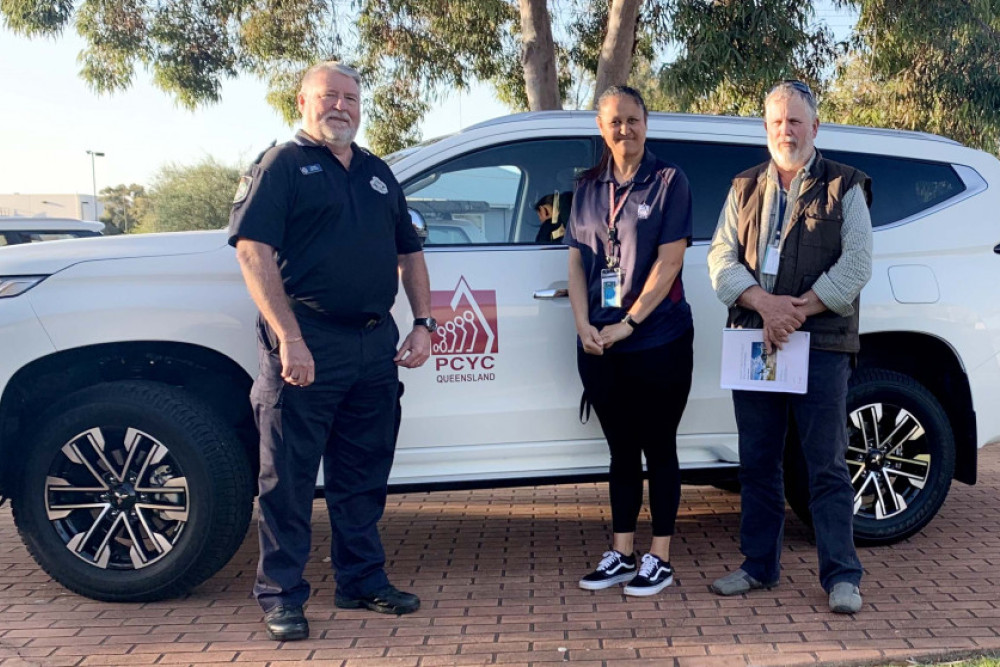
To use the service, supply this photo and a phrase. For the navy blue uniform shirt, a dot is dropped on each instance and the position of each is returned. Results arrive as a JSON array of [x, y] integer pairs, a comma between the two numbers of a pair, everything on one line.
[[656, 212], [337, 232]]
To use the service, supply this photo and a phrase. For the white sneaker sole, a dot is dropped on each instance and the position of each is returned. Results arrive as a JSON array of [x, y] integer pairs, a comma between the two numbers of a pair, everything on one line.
[[607, 583], [649, 590]]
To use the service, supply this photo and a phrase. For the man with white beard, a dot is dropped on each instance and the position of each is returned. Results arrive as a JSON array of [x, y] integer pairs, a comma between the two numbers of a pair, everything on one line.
[[792, 251], [322, 234]]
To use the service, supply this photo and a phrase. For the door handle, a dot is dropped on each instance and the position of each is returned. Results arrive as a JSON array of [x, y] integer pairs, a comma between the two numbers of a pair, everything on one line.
[[549, 294]]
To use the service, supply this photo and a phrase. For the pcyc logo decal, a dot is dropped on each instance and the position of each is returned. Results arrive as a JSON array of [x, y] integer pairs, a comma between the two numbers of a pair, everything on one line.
[[466, 342]]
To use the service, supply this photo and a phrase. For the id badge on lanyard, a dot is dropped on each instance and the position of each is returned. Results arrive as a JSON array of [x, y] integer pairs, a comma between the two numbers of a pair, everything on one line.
[[613, 277], [772, 258], [611, 287], [772, 253]]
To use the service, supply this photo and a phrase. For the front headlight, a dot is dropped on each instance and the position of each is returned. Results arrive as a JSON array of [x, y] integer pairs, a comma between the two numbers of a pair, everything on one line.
[[15, 285]]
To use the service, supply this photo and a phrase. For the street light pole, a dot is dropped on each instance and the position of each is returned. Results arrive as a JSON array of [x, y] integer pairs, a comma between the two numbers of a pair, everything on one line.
[[93, 176]]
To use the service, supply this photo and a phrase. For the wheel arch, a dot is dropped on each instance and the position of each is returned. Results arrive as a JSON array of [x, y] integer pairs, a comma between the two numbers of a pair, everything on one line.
[[213, 377], [936, 365]]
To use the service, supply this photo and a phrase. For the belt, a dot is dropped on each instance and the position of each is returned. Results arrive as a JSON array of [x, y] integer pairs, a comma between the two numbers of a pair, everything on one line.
[[363, 321]]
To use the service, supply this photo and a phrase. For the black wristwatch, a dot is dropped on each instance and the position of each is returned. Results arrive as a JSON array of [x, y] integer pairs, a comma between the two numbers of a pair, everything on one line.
[[629, 321], [428, 323]]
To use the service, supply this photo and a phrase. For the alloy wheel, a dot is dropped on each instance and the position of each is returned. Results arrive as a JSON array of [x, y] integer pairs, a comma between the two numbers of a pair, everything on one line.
[[889, 459], [117, 498]]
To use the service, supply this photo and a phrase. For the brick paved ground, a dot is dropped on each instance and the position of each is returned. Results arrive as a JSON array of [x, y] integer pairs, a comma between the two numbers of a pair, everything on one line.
[[497, 572]]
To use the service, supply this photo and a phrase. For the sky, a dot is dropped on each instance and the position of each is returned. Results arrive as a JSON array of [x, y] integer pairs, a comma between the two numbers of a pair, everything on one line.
[[49, 119]]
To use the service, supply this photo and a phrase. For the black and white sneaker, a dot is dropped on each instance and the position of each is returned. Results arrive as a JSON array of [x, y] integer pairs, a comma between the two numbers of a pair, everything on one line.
[[614, 568], [654, 575]]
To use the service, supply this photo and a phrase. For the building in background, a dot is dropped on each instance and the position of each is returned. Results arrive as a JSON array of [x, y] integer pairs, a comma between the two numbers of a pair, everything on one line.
[[80, 207]]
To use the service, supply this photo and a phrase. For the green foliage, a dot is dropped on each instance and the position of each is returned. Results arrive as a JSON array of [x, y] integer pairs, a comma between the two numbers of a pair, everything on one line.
[[732, 53], [286, 30], [194, 50], [931, 66], [393, 119], [282, 92], [123, 205], [184, 198], [411, 48], [36, 17], [191, 47]]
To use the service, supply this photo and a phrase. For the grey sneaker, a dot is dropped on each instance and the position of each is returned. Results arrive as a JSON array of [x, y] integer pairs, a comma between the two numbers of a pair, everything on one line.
[[738, 582], [845, 598]]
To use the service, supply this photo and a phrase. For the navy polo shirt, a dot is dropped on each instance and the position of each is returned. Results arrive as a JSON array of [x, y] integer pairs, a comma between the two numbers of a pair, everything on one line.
[[656, 212], [337, 232]]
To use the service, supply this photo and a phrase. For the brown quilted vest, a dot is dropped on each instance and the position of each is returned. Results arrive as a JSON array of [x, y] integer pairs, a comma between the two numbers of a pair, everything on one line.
[[811, 246]]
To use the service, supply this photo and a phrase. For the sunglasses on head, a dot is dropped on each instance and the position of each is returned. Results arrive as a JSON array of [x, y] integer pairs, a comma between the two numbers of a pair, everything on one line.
[[797, 85]]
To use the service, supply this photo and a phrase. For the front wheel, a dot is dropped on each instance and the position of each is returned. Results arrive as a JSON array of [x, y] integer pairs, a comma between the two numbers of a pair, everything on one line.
[[133, 491], [900, 456]]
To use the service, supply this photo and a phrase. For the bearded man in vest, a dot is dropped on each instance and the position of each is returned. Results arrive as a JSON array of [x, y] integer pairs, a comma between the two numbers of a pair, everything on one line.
[[791, 252]]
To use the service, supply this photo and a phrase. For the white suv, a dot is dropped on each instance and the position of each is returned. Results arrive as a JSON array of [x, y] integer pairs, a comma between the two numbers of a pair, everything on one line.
[[126, 437]]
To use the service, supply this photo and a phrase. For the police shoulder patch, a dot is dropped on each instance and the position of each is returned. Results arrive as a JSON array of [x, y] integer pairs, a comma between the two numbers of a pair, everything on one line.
[[243, 189]]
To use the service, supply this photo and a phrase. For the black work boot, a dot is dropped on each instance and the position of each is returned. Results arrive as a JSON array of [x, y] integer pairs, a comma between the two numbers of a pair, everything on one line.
[[286, 624], [386, 600]]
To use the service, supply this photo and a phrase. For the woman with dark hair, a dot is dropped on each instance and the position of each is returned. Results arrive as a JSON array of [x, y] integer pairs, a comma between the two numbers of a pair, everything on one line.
[[628, 230]]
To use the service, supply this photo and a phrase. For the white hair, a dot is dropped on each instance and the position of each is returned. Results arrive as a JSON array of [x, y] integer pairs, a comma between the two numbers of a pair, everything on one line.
[[329, 66], [787, 89]]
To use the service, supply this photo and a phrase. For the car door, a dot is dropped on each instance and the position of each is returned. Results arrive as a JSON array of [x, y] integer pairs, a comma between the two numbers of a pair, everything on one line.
[[707, 432], [500, 395]]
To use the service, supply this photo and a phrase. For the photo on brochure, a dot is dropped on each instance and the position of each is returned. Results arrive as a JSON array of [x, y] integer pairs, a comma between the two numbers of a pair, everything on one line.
[[764, 366]]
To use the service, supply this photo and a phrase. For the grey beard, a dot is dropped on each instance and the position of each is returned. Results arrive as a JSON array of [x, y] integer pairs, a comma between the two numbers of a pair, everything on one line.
[[335, 138]]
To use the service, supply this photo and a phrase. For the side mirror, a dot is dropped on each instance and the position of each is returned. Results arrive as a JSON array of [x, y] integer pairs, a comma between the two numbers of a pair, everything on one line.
[[419, 224]]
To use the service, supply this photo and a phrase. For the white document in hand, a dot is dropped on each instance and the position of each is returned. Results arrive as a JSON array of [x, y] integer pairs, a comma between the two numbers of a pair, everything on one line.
[[747, 365]]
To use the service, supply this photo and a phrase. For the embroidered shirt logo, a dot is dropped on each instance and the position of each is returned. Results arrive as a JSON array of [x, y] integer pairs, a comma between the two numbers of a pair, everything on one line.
[[643, 211], [378, 185], [311, 169], [243, 189]]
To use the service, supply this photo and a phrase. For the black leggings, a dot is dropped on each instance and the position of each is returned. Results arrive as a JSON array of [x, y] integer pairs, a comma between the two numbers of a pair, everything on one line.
[[639, 398]]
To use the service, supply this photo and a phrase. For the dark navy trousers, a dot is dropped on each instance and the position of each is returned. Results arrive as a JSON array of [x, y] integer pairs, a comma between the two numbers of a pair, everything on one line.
[[348, 417], [820, 415]]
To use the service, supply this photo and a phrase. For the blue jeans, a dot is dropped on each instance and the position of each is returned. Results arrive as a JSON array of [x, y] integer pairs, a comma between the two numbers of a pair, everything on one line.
[[821, 418]]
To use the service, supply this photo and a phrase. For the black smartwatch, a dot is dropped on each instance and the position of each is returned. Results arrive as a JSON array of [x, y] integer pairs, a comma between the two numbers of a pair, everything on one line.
[[428, 323], [629, 321]]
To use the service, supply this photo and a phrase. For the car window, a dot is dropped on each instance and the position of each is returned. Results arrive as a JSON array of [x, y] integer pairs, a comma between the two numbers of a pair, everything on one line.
[[488, 196], [902, 187], [710, 169]]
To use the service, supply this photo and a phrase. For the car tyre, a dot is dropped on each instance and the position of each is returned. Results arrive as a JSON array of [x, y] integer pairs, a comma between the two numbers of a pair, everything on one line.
[[901, 457], [133, 491]]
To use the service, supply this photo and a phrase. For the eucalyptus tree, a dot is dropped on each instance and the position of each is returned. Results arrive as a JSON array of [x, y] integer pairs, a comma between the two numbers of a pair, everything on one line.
[[932, 66]]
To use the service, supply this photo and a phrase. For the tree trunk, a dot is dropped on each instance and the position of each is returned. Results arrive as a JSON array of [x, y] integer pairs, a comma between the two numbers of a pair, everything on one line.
[[538, 56], [619, 46]]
